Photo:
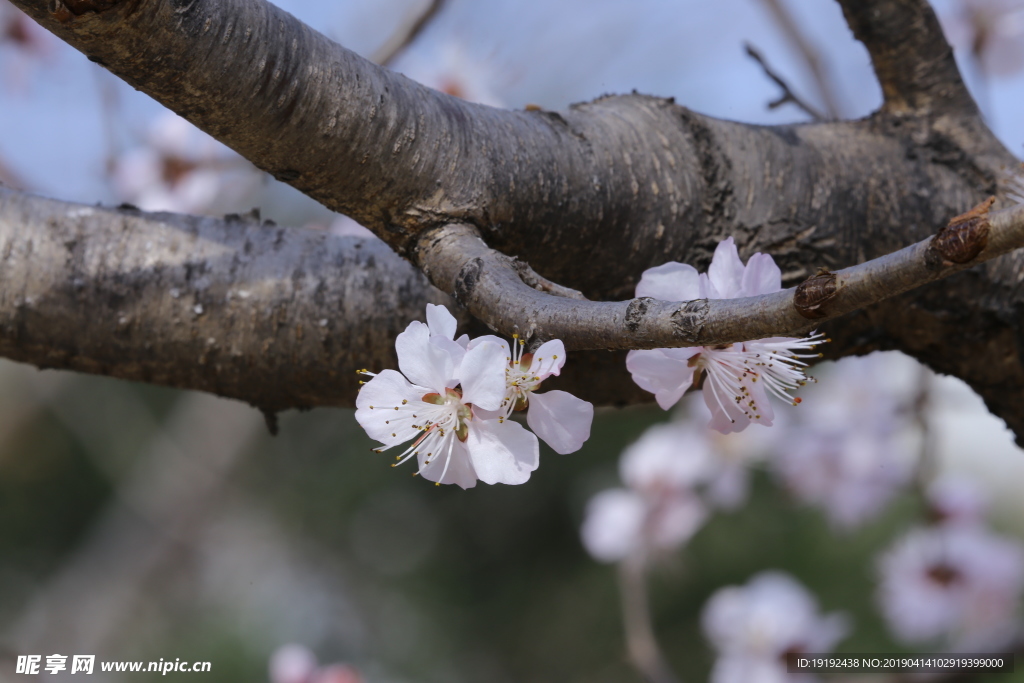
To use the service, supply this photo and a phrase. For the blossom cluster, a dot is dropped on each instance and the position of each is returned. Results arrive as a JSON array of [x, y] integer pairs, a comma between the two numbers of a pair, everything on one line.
[[848, 450], [675, 474], [453, 399], [23, 44]]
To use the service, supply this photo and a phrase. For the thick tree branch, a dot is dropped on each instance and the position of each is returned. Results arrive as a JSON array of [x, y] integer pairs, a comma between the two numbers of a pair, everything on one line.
[[622, 175], [277, 317], [913, 61]]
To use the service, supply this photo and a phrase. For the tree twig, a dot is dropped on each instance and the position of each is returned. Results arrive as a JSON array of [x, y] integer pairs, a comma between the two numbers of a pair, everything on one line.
[[641, 643], [411, 27], [485, 281], [788, 96], [810, 55]]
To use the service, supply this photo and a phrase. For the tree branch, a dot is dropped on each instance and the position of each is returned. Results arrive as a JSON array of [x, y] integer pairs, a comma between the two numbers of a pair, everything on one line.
[[787, 94], [491, 288], [812, 59], [622, 175], [277, 317], [913, 61], [410, 29], [589, 197]]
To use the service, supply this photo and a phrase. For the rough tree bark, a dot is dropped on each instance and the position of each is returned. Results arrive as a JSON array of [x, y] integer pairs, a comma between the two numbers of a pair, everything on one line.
[[588, 197]]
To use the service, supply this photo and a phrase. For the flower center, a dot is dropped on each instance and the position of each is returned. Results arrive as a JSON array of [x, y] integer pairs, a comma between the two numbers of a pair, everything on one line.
[[519, 380], [442, 419], [453, 414], [943, 574]]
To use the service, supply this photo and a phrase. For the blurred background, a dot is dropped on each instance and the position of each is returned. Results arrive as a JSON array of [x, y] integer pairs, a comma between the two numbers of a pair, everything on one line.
[[139, 523]]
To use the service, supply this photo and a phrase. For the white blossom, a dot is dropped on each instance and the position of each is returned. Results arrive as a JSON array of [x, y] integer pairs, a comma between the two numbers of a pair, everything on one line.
[[992, 31], [433, 402], [754, 626], [955, 500], [736, 378], [560, 419]]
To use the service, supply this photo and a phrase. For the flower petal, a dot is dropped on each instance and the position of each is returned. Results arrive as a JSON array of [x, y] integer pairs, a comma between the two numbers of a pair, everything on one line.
[[453, 349], [730, 413], [473, 343], [441, 322], [502, 452], [706, 288], [548, 359], [666, 378], [761, 276], [670, 281], [675, 521], [726, 270], [482, 374], [670, 456], [385, 391], [561, 420], [460, 469], [614, 523], [425, 364]]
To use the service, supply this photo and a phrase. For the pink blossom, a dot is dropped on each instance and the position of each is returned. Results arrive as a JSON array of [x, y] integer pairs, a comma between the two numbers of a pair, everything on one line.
[[992, 31], [955, 500], [736, 378], [18, 30], [22, 39], [292, 664], [297, 664]]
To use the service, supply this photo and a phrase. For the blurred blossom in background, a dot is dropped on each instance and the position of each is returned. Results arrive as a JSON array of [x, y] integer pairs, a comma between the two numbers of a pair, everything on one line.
[[753, 628], [883, 514], [850, 447], [177, 167], [954, 580]]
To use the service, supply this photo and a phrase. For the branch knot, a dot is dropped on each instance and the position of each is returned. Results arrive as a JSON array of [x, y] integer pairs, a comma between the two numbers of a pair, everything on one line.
[[688, 320]]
